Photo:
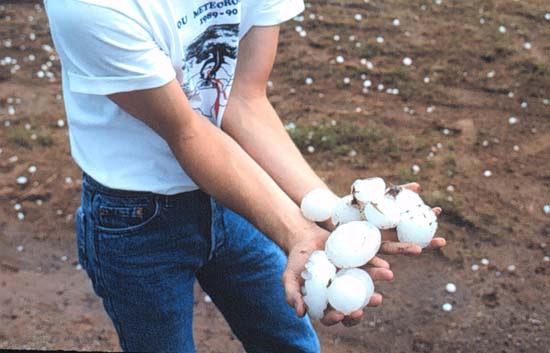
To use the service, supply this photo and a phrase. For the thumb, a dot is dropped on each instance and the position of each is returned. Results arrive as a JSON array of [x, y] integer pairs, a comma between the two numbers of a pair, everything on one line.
[[293, 293]]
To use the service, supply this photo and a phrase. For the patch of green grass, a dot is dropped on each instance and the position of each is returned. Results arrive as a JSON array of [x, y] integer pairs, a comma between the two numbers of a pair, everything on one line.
[[19, 136], [342, 136]]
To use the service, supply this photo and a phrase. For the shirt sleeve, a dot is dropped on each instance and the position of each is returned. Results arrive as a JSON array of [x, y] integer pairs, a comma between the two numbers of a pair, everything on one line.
[[105, 51], [274, 12]]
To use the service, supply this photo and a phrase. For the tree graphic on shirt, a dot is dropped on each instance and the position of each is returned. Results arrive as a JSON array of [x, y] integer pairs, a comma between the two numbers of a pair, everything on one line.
[[209, 67]]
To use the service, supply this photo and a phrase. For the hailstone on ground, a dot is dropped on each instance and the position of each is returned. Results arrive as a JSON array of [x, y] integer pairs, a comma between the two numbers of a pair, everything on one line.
[[317, 205], [417, 226], [353, 244], [383, 213], [345, 211], [366, 190]]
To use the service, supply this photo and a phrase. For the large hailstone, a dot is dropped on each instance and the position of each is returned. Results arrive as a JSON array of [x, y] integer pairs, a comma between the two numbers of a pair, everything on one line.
[[383, 213], [353, 244], [345, 211], [417, 225], [405, 199], [317, 205], [350, 290], [370, 189], [319, 272]]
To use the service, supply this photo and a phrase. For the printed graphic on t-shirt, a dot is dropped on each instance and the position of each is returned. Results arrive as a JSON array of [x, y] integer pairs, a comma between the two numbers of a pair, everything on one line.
[[208, 68]]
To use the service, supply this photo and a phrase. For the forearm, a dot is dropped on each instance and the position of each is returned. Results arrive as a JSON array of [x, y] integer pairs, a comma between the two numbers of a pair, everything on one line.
[[226, 172], [257, 128]]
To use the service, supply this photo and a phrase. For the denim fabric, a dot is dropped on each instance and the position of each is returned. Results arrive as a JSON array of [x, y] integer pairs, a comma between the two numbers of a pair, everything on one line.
[[143, 252]]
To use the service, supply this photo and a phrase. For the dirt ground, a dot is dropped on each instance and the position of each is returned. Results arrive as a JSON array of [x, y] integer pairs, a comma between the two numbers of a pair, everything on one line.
[[450, 117]]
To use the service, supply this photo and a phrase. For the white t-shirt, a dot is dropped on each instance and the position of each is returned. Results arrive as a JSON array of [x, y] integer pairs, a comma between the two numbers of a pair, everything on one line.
[[110, 46]]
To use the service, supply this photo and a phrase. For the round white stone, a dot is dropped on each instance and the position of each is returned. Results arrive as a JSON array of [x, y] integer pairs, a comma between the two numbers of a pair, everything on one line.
[[370, 189], [450, 287], [417, 225], [317, 205], [347, 294], [345, 212], [383, 213], [353, 244]]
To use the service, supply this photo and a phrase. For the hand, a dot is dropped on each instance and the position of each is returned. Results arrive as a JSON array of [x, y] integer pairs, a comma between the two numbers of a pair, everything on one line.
[[292, 280]]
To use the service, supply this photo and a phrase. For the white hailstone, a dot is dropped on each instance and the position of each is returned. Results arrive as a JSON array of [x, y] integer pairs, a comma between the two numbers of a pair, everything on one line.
[[546, 209], [527, 46], [446, 131], [78, 267], [20, 248], [367, 83], [207, 299], [487, 173], [447, 307], [380, 39], [13, 159], [31, 57], [298, 28], [364, 277], [339, 59], [39, 202], [430, 109], [512, 120], [407, 199], [417, 225], [336, 37], [450, 287], [353, 244], [482, 21], [415, 169], [511, 268], [310, 149], [484, 262], [407, 61], [20, 216], [319, 272], [438, 2], [308, 80], [546, 259], [345, 212], [40, 74], [317, 205], [491, 74], [485, 143], [380, 87], [450, 188], [475, 267], [515, 148], [523, 105], [303, 34], [347, 293], [396, 22], [11, 110], [22, 180], [347, 80], [510, 94], [68, 180], [502, 29], [358, 17], [383, 213], [426, 79], [17, 206], [63, 258], [370, 189], [547, 16]]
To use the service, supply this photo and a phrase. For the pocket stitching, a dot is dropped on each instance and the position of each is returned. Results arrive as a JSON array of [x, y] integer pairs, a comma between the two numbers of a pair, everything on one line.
[[119, 232]]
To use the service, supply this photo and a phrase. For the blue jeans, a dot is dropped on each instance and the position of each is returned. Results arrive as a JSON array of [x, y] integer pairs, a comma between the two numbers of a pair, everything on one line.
[[143, 251]]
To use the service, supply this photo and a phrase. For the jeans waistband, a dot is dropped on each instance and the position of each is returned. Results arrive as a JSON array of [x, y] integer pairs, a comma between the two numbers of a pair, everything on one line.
[[167, 200]]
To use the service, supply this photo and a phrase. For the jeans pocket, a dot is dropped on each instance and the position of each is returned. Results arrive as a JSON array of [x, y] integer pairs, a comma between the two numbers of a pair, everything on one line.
[[118, 216], [81, 237]]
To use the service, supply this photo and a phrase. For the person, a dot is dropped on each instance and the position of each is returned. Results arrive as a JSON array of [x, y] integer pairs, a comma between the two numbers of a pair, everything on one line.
[[188, 172]]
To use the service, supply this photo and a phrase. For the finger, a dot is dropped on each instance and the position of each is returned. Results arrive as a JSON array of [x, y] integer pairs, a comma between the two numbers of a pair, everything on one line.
[[437, 210], [375, 300], [357, 314], [332, 317], [395, 248], [379, 274], [378, 262], [436, 243], [412, 186], [292, 293]]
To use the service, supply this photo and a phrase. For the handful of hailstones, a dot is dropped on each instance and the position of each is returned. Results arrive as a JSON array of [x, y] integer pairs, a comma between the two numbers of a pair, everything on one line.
[[332, 276]]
